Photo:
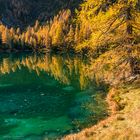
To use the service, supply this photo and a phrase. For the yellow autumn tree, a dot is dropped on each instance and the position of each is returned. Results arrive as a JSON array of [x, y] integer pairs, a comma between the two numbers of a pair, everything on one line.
[[70, 36], [6, 37], [110, 21]]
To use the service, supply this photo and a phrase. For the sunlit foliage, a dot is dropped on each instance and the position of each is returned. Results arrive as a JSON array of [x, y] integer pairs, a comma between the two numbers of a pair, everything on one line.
[[97, 26], [51, 34], [109, 22]]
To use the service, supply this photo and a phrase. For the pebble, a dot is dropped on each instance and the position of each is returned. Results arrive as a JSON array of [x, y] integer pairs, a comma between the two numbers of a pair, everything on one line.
[[25, 100]]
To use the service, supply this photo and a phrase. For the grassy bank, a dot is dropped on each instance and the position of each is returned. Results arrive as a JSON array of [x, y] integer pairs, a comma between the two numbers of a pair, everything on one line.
[[120, 68], [124, 122]]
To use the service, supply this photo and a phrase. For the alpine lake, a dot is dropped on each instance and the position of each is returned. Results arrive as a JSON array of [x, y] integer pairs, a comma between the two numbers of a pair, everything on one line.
[[45, 96]]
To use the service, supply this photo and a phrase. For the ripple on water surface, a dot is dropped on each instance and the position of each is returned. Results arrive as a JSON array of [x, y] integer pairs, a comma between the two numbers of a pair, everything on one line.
[[47, 97]]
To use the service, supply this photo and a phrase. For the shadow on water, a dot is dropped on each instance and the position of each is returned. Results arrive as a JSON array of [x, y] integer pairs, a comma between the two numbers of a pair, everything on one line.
[[47, 96]]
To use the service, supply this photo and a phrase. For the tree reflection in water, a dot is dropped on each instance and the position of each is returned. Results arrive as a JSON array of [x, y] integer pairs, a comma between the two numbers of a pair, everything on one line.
[[47, 96]]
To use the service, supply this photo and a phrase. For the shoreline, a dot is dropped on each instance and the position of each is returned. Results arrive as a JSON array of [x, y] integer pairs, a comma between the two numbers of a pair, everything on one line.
[[124, 120], [123, 100]]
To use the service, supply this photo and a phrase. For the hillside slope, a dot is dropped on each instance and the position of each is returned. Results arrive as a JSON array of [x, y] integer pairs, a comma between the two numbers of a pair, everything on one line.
[[25, 12]]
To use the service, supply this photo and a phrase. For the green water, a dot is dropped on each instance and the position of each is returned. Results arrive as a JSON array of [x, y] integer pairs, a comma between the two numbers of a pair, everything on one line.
[[47, 96]]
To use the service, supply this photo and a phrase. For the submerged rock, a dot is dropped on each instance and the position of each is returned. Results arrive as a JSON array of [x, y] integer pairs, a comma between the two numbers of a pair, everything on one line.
[[69, 88]]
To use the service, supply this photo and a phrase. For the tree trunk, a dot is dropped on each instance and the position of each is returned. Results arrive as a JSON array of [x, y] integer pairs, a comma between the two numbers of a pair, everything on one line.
[[129, 28]]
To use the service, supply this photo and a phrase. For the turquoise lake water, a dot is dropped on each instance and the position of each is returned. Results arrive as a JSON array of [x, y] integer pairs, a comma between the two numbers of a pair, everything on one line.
[[47, 96]]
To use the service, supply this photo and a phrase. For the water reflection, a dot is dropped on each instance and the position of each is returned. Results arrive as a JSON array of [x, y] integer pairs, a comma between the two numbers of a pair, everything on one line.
[[66, 70], [47, 96]]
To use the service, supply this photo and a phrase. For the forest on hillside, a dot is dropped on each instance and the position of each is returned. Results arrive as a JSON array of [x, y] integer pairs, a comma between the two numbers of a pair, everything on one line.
[[96, 27], [22, 13]]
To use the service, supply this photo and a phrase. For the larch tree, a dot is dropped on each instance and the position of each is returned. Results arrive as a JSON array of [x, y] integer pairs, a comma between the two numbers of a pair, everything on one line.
[[47, 39], [18, 31], [59, 35], [77, 35], [36, 26], [70, 36], [6, 38], [111, 21]]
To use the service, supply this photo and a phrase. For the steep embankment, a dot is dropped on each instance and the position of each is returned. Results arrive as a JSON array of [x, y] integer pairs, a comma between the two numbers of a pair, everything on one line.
[[120, 68], [114, 40]]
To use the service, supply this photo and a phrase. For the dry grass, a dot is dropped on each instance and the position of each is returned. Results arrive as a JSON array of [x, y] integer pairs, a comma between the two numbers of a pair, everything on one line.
[[114, 67], [124, 122]]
